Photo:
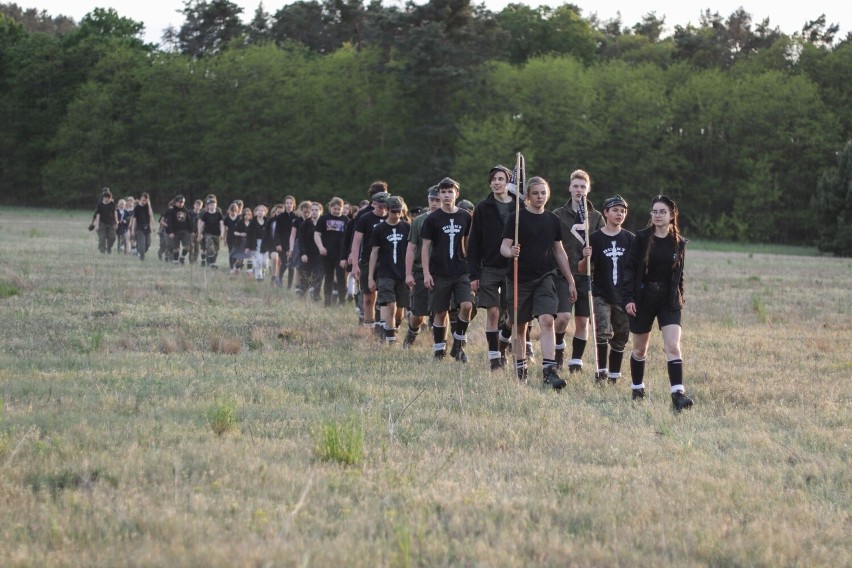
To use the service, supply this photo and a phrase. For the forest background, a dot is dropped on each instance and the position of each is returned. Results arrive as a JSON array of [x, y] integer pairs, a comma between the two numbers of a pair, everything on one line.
[[747, 127]]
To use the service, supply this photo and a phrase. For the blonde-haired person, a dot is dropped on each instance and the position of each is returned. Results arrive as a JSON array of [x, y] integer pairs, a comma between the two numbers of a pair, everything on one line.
[[653, 289], [121, 228], [574, 239], [539, 252], [257, 243], [328, 236]]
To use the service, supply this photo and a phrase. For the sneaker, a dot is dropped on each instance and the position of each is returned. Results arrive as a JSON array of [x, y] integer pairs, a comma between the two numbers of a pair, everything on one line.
[[638, 394], [552, 378], [680, 401], [439, 355]]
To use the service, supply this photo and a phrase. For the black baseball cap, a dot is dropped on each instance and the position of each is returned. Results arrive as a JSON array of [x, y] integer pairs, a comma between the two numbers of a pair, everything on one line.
[[613, 201]]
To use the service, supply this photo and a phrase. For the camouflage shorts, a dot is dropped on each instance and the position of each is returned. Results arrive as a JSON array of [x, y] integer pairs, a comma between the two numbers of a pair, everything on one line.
[[611, 323]]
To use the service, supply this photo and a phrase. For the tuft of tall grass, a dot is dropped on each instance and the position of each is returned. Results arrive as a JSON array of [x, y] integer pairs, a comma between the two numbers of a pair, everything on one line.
[[222, 416], [341, 442]]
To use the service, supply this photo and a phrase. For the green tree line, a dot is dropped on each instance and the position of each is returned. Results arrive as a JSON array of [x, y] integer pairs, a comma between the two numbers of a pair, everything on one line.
[[742, 124]]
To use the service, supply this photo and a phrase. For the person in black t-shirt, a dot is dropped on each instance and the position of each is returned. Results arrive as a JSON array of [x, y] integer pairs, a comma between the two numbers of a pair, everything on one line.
[[359, 256], [283, 230], [653, 289], [311, 265], [140, 224], [328, 236], [106, 221], [211, 231], [538, 252], [179, 227], [445, 273], [232, 219], [299, 219], [386, 272], [608, 253]]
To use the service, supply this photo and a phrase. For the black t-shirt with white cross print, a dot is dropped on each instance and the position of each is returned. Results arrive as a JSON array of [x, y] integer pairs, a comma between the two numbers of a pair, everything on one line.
[[609, 254], [446, 231], [392, 241]]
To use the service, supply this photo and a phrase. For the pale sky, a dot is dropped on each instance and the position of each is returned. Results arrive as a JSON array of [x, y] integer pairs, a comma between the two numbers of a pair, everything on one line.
[[789, 16]]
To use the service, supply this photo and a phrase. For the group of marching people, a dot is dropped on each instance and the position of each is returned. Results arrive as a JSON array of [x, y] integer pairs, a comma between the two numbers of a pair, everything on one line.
[[510, 258]]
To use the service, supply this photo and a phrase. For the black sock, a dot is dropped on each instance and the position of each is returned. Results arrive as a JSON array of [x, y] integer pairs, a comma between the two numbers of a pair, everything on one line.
[[439, 334], [675, 368], [390, 333], [460, 329], [413, 331], [493, 342], [615, 358], [637, 370], [560, 339], [602, 353], [529, 331], [506, 332], [578, 346]]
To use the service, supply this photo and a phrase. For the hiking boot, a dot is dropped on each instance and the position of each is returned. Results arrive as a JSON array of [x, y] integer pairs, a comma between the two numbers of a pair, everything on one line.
[[680, 401], [559, 358], [409, 339], [457, 351], [638, 394], [439, 355], [600, 377], [574, 368], [552, 378], [611, 379], [497, 364], [522, 375]]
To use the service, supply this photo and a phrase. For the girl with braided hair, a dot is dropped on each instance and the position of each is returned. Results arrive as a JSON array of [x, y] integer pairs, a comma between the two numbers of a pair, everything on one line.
[[652, 288]]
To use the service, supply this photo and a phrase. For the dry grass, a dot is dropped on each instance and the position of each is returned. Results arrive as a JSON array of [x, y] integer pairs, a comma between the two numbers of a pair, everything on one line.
[[295, 440]]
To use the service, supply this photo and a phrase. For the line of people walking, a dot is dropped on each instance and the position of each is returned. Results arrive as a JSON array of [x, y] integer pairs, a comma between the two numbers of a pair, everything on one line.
[[507, 256]]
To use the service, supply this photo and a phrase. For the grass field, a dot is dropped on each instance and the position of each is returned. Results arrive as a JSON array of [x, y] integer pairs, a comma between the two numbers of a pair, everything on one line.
[[162, 415]]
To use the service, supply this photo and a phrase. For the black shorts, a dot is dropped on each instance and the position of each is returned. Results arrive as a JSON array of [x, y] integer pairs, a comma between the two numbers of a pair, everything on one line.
[[419, 296], [492, 288], [392, 291], [581, 306], [447, 289], [655, 304], [535, 298], [364, 280]]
